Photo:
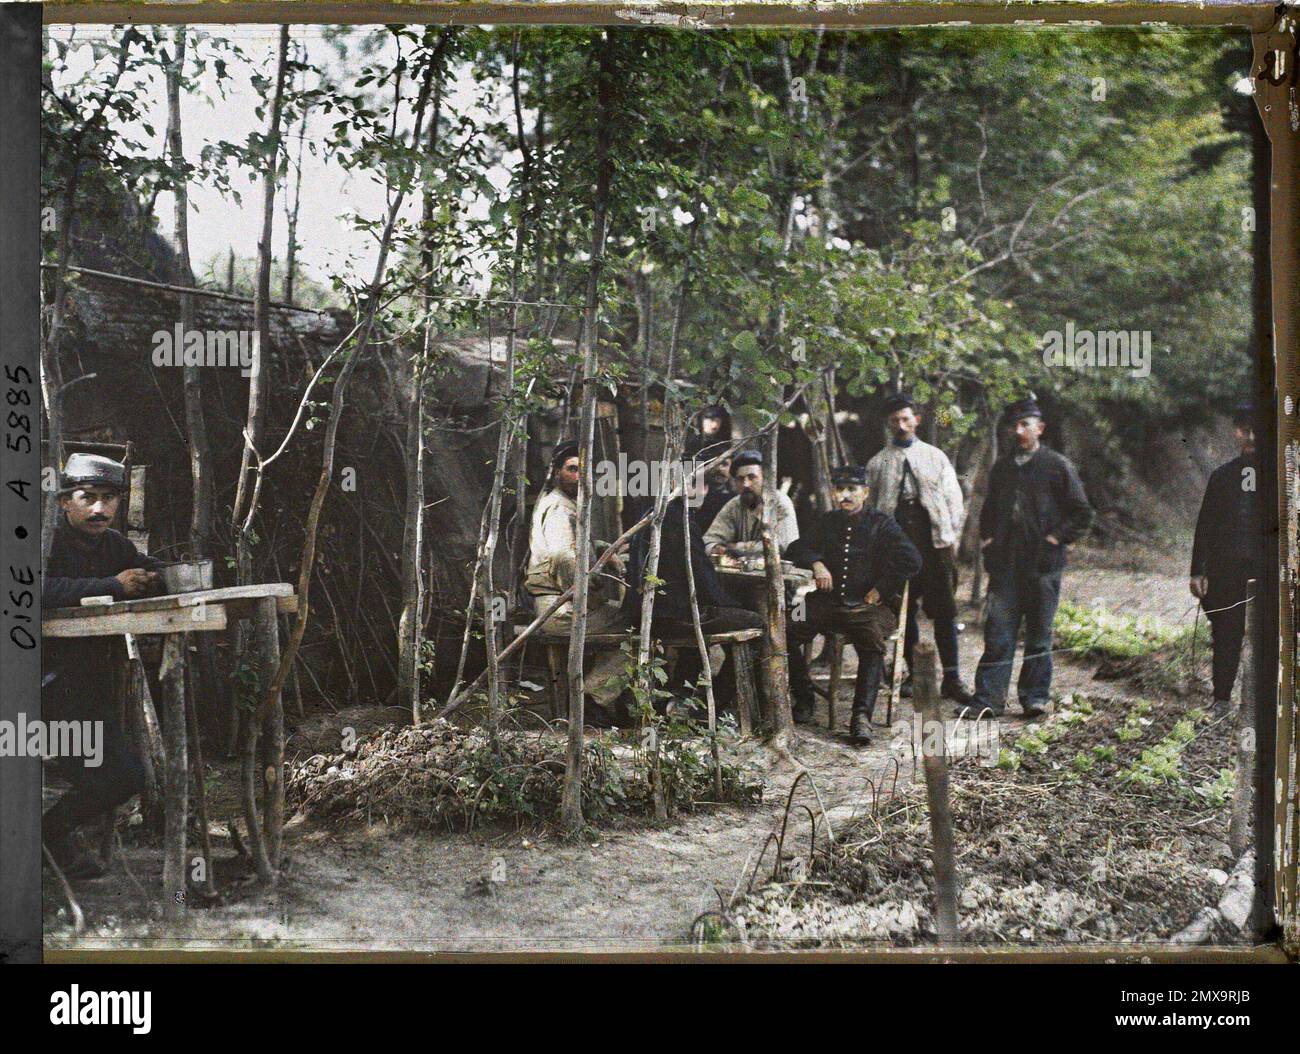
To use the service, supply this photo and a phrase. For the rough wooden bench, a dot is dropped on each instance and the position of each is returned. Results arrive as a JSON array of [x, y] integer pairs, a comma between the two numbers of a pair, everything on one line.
[[737, 642]]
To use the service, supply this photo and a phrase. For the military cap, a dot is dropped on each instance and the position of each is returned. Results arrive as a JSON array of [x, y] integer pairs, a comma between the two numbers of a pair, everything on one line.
[[92, 470], [1022, 408]]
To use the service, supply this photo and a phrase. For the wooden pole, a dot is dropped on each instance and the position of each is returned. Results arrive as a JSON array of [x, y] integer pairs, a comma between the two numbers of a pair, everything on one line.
[[200, 791], [926, 696], [777, 680], [266, 631], [704, 650], [176, 777], [1243, 791]]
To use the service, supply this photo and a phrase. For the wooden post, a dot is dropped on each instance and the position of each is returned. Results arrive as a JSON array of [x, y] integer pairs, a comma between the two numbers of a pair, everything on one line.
[[703, 647], [777, 681], [176, 777], [266, 632], [747, 711], [896, 676], [200, 791], [1243, 791], [926, 697]]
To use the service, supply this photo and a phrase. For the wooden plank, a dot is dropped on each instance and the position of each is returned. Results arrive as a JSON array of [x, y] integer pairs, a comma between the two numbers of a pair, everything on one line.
[[112, 623], [174, 601], [731, 637]]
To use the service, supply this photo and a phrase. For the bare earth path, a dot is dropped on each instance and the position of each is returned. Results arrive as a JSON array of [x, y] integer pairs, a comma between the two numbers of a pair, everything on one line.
[[629, 889]]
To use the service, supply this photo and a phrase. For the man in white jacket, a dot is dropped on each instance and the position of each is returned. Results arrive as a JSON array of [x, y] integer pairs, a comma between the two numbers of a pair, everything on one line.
[[915, 483], [552, 567]]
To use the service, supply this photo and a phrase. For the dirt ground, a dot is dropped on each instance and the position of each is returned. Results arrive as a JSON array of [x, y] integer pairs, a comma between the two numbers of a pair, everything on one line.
[[635, 888]]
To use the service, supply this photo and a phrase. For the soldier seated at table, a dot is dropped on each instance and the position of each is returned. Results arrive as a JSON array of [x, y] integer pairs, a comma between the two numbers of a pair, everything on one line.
[[88, 558], [681, 540], [861, 558], [738, 527]]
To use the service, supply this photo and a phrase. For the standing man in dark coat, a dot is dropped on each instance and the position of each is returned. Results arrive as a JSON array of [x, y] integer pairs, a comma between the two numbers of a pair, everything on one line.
[[1035, 508], [1228, 551], [88, 558], [860, 559]]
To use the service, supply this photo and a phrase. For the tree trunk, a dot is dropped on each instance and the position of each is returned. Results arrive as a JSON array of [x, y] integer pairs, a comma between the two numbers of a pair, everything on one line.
[[571, 805], [363, 334], [410, 625], [261, 323], [291, 252], [704, 653], [210, 684]]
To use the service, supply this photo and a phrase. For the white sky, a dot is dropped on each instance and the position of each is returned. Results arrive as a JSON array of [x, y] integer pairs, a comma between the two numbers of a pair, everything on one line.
[[329, 193]]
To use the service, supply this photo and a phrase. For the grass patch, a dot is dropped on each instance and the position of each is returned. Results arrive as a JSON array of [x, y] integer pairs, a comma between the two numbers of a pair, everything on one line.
[[1096, 633]]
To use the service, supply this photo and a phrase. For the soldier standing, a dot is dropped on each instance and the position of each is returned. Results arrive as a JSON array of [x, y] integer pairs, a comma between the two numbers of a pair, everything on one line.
[[1035, 508], [1228, 552], [915, 483]]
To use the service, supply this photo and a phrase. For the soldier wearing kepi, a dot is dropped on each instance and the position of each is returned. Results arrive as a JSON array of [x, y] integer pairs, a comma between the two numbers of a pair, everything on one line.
[[1227, 552], [860, 558], [88, 558], [1035, 507], [915, 483]]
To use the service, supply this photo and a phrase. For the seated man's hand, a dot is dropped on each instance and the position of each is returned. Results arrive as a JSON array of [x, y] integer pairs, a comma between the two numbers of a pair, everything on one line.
[[822, 576], [873, 597], [137, 582], [1199, 586]]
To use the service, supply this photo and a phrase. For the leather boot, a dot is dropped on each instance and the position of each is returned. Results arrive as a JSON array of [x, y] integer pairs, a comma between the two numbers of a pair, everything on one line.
[[864, 699]]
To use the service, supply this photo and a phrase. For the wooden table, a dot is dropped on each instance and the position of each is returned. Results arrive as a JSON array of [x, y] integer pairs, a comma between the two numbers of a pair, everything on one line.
[[175, 617], [802, 579]]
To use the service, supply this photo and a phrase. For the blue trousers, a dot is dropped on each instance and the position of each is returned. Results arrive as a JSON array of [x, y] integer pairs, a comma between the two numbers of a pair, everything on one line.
[[1013, 597]]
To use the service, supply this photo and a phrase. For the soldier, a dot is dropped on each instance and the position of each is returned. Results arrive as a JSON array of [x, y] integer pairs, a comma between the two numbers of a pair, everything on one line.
[[714, 423], [915, 483], [680, 541], [1227, 552], [88, 558], [552, 567], [717, 479], [1035, 508], [737, 528], [860, 558]]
